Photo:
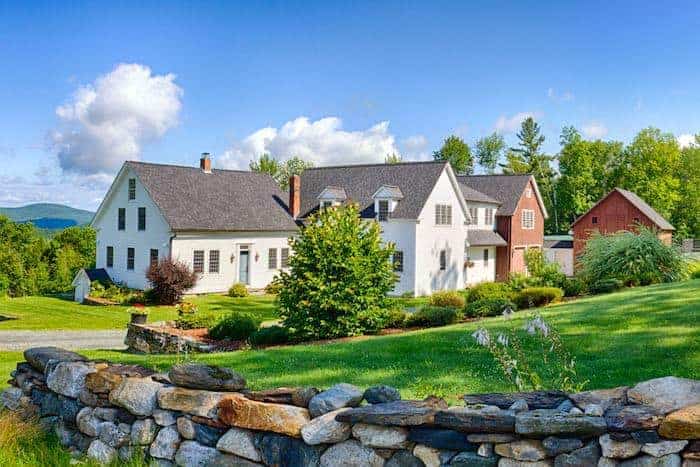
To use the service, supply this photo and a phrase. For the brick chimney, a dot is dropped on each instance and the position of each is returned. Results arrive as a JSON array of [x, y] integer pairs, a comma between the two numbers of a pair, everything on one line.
[[294, 195], [205, 163]]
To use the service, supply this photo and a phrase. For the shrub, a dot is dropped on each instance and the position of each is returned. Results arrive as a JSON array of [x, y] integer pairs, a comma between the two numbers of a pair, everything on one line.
[[542, 272], [694, 270], [433, 316], [235, 326], [238, 290], [488, 307], [169, 280], [274, 287], [573, 287], [605, 286], [519, 281], [633, 258], [376, 319], [272, 335], [197, 320], [339, 269], [489, 290], [447, 298], [534, 297]]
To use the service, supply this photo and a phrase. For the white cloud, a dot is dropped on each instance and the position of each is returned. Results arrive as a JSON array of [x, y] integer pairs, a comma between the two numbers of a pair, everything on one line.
[[415, 148], [506, 124], [595, 130], [565, 96], [686, 140], [109, 121], [322, 142]]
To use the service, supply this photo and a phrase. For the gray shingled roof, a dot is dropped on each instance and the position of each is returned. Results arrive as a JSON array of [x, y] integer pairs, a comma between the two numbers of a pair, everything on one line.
[[335, 192], [415, 180], [485, 238], [640, 204], [470, 194], [99, 275], [505, 188], [223, 200]]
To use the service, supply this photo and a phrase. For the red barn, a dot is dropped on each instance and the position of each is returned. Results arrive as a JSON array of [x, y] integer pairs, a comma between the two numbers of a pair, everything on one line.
[[619, 210]]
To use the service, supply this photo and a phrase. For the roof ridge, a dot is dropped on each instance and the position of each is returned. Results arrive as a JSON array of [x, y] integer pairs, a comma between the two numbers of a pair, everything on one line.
[[179, 166], [496, 175], [348, 166]]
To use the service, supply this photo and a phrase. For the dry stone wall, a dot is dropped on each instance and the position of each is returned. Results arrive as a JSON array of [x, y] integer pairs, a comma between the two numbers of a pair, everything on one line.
[[197, 415]]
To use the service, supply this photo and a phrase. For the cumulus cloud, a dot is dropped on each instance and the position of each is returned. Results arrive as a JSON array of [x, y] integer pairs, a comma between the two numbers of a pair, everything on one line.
[[506, 124], [686, 140], [415, 148], [595, 130], [564, 96], [109, 121], [322, 142]]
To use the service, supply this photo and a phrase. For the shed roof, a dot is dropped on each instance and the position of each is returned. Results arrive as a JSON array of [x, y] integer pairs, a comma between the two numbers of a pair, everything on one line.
[[640, 204]]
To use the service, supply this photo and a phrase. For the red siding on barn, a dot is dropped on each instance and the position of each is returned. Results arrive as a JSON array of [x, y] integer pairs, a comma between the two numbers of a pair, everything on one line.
[[613, 214]]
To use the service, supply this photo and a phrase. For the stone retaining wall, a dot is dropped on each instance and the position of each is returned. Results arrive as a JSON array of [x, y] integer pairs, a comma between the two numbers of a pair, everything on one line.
[[201, 415], [153, 339]]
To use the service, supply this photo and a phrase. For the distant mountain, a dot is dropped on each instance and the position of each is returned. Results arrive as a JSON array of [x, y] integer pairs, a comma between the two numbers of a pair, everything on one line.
[[48, 216]]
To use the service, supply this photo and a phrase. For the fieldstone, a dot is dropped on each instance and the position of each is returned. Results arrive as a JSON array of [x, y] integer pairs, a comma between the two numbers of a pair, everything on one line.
[[404, 458], [69, 410], [208, 377], [594, 410], [672, 460], [164, 417], [619, 449], [47, 423], [522, 450], [666, 394], [605, 462], [155, 462], [207, 435], [506, 462], [143, 431], [105, 380], [192, 454], [240, 442], [582, 457], [397, 413], [378, 436], [441, 439], [166, 443], [105, 413], [485, 450], [664, 448], [191, 401], [101, 452], [565, 406], [137, 395], [90, 425], [113, 436], [552, 422], [555, 446], [682, 424], [283, 450], [491, 438], [576, 410], [632, 418], [519, 406], [239, 411], [229, 460], [325, 429], [127, 453], [350, 453], [620, 436], [185, 427], [339, 396], [291, 396], [68, 378], [10, 398], [381, 393], [64, 434], [535, 399], [207, 421], [604, 398], [429, 456], [39, 357], [472, 459], [646, 436], [470, 420]]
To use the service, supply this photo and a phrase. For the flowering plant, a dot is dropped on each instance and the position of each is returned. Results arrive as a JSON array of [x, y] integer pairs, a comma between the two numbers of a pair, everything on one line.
[[508, 350], [186, 308], [138, 309]]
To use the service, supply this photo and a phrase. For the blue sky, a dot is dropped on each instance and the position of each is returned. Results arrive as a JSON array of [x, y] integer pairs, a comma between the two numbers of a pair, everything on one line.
[[85, 86]]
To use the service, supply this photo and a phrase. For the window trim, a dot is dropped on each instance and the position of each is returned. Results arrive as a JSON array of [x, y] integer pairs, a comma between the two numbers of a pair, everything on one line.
[[197, 268], [131, 189], [272, 258], [130, 258], [443, 214], [109, 256], [214, 260], [141, 216], [284, 258], [488, 216], [523, 219], [474, 214]]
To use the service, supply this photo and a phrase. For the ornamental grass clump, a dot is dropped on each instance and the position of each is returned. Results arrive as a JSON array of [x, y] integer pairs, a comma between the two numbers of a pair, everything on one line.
[[532, 358], [340, 269]]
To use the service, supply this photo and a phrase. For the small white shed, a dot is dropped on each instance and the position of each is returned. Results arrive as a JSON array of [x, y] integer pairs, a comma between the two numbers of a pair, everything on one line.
[[83, 282], [560, 249]]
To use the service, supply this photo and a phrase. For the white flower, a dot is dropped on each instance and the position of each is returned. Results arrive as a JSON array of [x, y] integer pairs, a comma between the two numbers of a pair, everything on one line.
[[503, 340], [537, 324], [482, 337]]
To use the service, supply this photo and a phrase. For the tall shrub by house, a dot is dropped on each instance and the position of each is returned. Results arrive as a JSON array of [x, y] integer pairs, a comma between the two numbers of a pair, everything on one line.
[[340, 269], [169, 280]]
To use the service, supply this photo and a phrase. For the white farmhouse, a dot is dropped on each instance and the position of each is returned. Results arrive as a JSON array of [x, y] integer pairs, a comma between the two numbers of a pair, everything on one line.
[[228, 226]]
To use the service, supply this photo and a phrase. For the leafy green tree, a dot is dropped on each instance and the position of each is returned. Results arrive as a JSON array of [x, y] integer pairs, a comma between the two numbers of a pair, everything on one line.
[[489, 150], [455, 151], [649, 168], [340, 270], [82, 240], [686, 215], [266, 164], [292, 166], [392, 158], [584, 168]]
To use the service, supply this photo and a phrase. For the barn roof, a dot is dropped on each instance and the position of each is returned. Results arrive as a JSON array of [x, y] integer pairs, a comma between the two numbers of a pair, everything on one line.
[[637, 202]]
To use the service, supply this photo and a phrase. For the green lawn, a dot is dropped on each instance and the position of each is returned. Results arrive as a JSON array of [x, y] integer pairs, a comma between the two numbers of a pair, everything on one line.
[[620, 338], [45, 313]]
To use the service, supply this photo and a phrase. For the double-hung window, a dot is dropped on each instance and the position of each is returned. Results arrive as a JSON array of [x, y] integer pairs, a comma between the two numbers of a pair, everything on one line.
[[528, 219], [443, 214], [443, 260], [142, 218], [130, 255], [132, 189], [110, 256], [214, 261], [489, 216], [383, 213], [474, 214], [284, 258], [198, 261], [121, 219], [486, 255], [398, 261], [272, 258]]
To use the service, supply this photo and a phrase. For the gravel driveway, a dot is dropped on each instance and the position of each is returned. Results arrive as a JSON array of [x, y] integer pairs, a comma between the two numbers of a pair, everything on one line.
[[71, 340]]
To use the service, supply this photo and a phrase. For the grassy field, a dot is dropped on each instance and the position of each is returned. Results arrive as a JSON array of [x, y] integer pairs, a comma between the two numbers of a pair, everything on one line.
[[620, 338]]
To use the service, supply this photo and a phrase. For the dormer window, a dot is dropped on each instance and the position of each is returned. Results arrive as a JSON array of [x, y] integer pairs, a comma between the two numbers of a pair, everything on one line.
[[386, 198], [326, 204], [331, 196], [383, 213]]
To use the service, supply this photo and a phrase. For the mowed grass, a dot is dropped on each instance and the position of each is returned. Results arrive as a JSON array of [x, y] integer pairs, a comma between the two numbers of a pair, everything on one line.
[[617, 339], [54, 313]]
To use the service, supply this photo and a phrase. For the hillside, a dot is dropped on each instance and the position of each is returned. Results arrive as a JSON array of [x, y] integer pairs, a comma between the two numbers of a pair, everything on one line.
[[48, 216]]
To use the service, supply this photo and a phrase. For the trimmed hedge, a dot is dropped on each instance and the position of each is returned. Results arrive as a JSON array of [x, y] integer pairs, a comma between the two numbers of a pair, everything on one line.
[[534, 297], [433, 316], [238, 290], [605, 286], [488, 290], [273, 335], [235, 326], [450, 298], [197, 320], [488, 307], [376, 319]]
